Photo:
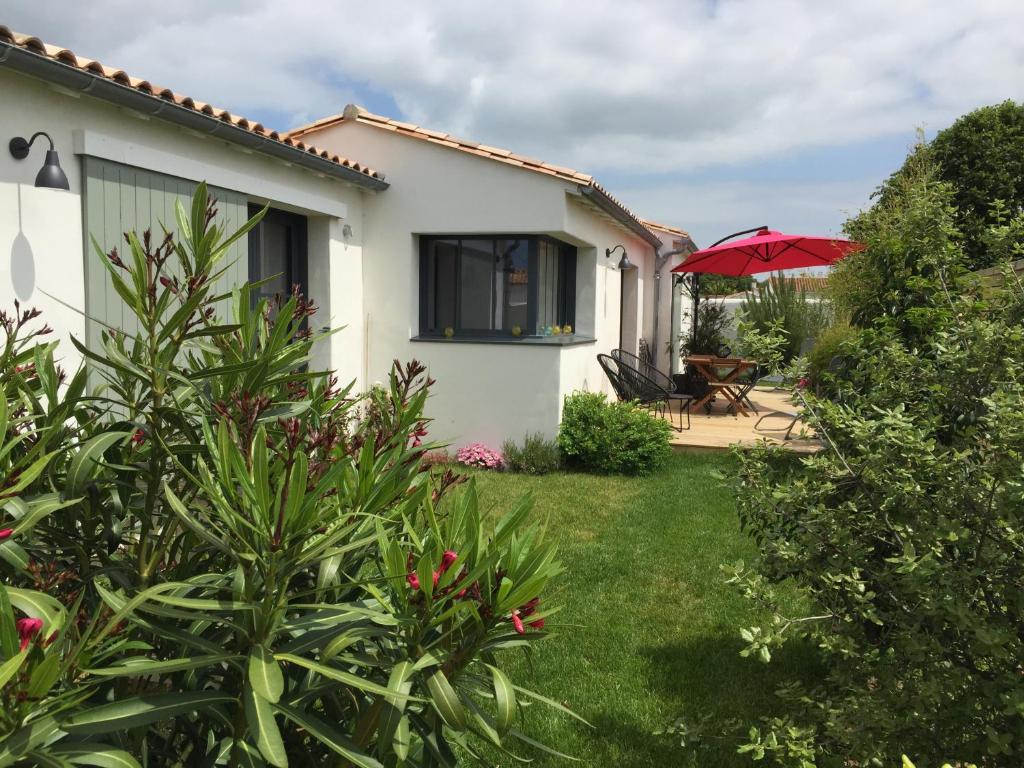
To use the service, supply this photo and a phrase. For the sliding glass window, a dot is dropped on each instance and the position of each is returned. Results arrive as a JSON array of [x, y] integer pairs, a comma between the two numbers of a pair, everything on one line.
[[496, 285]]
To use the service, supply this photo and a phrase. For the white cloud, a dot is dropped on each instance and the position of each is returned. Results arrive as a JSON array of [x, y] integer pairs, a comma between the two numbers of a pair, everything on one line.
[[644, 86], [711, 210], [640, 90]]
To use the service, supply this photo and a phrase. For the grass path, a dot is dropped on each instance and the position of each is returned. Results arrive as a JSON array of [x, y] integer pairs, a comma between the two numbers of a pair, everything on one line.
[[649, 628]]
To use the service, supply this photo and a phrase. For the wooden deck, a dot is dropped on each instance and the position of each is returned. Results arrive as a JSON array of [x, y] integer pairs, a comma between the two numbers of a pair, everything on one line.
[[719, 431]]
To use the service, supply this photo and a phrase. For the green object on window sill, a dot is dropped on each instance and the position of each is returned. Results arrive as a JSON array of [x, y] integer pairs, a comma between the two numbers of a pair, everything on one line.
[[571, 340]]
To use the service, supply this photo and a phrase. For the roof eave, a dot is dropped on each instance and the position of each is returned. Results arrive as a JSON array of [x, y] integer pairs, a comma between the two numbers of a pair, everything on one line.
[[97, 86], [607, 204]]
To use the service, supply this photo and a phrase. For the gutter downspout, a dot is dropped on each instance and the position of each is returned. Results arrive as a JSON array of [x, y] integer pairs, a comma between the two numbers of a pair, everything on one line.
[[660, 260]]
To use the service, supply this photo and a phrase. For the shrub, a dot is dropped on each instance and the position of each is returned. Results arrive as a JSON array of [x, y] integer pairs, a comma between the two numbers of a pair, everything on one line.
[[827, 347], [479, 455], [714, 322], [536, 456], [905, 536], [438, 458], [612, 437], [224, 558], [780, 304]]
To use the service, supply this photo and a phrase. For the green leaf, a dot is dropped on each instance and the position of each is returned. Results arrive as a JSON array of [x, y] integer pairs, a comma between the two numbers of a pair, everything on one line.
[[43, 676], [260, 716], [86, 463], [98, 755], [504, 700], [265, 675], [29, 474], [9, 667], [551, 703], [446, 701], [39, 508], [9, 640], [38, 606], [143, 665], [14, 555], [391, 717], [141, 710], [335, 674], [27, 738], [328, 736]]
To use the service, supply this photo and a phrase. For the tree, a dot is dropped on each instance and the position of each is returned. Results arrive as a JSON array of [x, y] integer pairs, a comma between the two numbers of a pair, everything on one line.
[[982, 157]]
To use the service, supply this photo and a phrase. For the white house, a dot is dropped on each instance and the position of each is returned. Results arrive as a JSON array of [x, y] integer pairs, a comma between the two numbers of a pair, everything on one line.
[[470, 258]]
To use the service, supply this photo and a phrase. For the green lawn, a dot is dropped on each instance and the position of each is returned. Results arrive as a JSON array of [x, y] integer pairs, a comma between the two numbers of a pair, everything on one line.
[[649, 628]]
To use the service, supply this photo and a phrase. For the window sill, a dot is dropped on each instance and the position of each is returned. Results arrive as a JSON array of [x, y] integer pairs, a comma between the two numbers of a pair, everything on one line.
[[572, 340]]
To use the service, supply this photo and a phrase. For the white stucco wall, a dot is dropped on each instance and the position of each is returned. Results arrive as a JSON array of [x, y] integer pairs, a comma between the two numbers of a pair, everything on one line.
[[41, 238], [485, 391]]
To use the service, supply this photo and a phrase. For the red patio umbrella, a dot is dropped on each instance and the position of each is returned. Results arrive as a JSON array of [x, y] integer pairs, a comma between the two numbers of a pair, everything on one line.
[[767, 251]]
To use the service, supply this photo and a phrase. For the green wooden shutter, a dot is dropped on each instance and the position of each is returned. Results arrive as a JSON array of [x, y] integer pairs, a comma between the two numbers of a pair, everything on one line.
[[120, 198]]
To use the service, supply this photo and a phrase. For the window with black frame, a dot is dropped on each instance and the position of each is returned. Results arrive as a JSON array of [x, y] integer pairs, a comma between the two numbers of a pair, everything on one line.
[[499, 285]]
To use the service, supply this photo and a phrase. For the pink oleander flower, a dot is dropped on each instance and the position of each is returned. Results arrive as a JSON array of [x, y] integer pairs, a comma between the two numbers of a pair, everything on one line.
[[447, 559], [418, 434], [27, 629], [479, 455], [803, 383], [526, 612], [6, 533]]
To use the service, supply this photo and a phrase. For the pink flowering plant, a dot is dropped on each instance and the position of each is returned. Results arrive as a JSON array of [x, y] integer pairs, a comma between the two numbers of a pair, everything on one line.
[[479, 455], [220, 557]]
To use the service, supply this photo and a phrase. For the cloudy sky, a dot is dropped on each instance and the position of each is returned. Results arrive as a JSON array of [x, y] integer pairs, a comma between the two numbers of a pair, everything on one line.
[[714, 116]]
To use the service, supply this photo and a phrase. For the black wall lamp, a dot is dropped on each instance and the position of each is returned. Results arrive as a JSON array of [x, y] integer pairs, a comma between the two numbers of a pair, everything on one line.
[[51, 175], [624, 262]]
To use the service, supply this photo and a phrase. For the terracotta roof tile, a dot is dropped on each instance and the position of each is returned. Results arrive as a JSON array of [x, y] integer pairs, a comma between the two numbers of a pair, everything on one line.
[[666, 228], [356, 113], [804, 283], [69, 58]]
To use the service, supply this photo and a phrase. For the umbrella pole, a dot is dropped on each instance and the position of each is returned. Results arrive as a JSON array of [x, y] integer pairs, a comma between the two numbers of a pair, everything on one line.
[[696, 280], [695, 290]]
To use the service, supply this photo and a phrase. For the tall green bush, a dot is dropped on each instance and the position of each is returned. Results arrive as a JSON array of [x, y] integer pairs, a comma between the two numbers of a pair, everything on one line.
[[223, 558], [905, 535], [612, 437], [779, 303]]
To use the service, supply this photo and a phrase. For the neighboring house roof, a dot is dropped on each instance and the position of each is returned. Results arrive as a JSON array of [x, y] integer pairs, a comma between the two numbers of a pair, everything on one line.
[[31, 56], [667, 228], [589, 186], [804, 283]]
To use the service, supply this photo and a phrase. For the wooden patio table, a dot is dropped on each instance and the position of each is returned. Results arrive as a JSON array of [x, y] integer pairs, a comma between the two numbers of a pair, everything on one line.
[[721, 374]]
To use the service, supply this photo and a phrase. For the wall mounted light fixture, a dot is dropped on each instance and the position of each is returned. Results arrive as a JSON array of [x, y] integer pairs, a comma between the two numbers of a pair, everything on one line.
[[51, 175], [624, 262]]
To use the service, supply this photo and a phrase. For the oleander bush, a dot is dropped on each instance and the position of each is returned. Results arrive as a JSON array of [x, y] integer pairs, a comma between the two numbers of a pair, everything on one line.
[[611, 437], [906, 535], [536, 456], [223, 558]]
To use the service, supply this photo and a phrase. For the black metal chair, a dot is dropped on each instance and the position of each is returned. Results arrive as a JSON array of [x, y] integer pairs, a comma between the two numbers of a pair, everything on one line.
[[631, 384], [643, 364]]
